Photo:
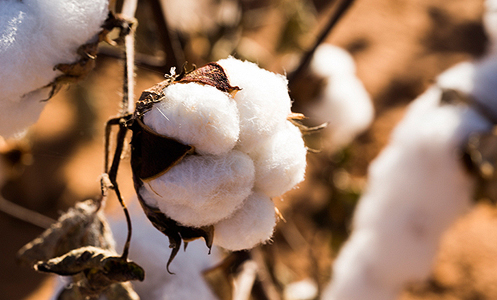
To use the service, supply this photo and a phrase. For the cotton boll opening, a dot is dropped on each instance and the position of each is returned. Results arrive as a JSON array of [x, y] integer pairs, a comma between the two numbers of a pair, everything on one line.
[[263, 101], [252, 224], [280, 162], [201, 190], [197, 115]]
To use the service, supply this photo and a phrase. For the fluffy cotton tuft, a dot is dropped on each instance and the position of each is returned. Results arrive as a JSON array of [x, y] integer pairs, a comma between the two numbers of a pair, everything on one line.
[[344, 103], [36, 35], [249, 226], [243, 143], [417, 187], [280, 162], [203, 189], [198, 115], [263, 101]]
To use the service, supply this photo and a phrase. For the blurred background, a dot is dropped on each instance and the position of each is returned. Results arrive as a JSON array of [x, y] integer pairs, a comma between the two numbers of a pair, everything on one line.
[[399, 47]]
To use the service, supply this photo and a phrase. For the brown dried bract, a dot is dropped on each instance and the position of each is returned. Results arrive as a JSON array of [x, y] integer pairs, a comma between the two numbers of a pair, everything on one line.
[[211, 74]]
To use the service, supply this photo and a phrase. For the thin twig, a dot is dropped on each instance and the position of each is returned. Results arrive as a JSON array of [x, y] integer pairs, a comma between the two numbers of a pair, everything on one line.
[[343, 6], [24, 214], [128, 11]]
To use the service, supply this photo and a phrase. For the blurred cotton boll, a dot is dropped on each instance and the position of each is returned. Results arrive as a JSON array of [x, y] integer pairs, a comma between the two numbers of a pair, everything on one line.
[[35, 36], [343, 103], [490, 23], [197, 115], [202, 190], [249, 226], [280, 162], [148, 249], [417, 187], [263, 102]]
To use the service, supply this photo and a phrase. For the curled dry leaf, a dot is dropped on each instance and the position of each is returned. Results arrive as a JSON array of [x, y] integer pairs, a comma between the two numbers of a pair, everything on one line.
[[100, 269], [81, 226]]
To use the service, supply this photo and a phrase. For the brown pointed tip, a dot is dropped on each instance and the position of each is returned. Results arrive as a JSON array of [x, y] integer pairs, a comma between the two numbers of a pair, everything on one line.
[[211, 74]]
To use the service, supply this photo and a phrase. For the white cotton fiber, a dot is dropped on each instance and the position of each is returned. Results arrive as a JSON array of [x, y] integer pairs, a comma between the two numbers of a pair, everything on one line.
[[280, 162], [36, 35], [149, 248], [343, 103], [263, 101], [249, 226], [330, 61], [417, 187], [198, 115], [202, 189]]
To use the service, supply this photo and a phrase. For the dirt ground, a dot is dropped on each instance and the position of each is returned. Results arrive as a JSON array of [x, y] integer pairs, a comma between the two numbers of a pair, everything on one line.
[[399, 47]]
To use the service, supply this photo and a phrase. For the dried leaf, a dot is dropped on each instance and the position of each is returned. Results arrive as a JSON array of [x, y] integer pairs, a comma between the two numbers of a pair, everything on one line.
[[100, 269]]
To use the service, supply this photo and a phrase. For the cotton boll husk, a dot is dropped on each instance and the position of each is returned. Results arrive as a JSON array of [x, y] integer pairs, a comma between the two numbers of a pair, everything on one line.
[[249, 226], [280, 162], [149, 248], [263, 101], [330, 61], [202, 189], [198, 115], [36, 35], [417, 187]]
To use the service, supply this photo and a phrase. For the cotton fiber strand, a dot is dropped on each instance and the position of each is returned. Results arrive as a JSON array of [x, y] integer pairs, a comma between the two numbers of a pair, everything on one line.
[[263, 102], [417, 188], [249, 226], [280, 162], [197, 115], [36, 35], [148, 249], [343, 103], [203, 189]]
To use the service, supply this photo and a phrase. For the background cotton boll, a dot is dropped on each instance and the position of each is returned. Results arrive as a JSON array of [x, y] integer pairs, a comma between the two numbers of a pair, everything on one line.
[[149, 248], [343, 103], [198, 115], [202, 190], [35, 36], [250, 225], [263, 101], [347, 108], [280, 162], [417, 187], [330, 60]]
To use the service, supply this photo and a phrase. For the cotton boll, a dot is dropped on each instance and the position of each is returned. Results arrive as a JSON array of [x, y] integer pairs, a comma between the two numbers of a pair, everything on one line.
[[330, 61], [263, 101], [150, 250], [36, 35], [416, 188], [344, 103], [280, 162], [202, 190], [198, 115], [252, 224]]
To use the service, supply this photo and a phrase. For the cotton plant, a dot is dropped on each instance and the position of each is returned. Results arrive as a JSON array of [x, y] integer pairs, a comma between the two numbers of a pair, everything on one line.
[[244, 149], [418, 185], [343, 102], [35, 37]]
